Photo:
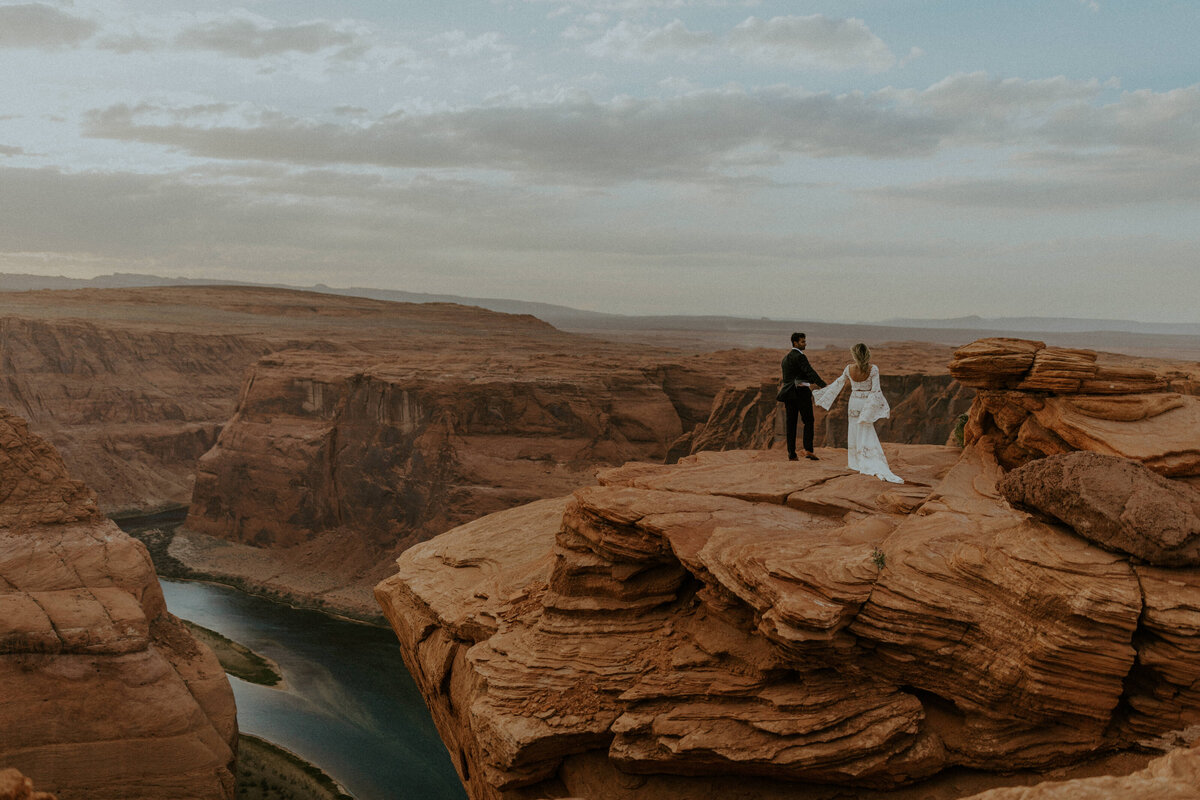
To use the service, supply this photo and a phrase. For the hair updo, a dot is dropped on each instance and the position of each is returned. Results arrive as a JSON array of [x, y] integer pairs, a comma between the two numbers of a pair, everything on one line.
[[862, 357]]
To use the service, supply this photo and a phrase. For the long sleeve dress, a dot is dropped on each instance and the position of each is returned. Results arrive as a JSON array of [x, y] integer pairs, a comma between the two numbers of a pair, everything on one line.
[[864, 453]]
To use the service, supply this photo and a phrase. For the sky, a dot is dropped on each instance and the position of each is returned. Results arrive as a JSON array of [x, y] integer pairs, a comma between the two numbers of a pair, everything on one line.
[[859, 160]]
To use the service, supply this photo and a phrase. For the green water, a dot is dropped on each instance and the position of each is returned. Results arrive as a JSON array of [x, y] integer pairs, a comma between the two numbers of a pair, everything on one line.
[[349, 707]]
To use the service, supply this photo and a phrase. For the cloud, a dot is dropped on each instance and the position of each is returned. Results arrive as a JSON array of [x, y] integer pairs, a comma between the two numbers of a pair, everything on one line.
[[991, 97], [635, 6], [36, 25], [1071, 152], [1097, 185], [815, 41], [245, 36], [633, 42], [1166, 123], [680, 138], [268, 223], [9, 150], [457, 44], [811, 41], [255, 37], [125, 44], [427, 233], [1057, 143]]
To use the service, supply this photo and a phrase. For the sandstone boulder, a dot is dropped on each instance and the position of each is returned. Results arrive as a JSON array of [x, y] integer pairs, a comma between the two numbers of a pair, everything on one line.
[[995, 363], [1036, 401], [106, 695], [15, 786], [1031, 366], [1114, 502]]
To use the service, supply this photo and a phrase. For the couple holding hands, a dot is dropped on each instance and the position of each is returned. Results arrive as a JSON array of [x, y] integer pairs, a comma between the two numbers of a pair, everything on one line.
[[864, 453]]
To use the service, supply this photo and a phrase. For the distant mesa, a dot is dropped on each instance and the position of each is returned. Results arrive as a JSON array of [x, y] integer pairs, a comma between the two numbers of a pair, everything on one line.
[[1048, 325]]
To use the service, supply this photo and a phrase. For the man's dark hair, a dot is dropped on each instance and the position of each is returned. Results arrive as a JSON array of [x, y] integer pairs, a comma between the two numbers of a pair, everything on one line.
[[797, 336]]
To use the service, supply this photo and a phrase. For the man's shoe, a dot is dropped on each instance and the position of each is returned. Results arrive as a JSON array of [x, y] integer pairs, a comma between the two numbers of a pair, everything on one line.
[[793, 457], [811, 456]]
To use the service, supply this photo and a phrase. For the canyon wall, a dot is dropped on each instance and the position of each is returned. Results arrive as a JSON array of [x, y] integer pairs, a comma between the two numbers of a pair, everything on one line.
[[319, 442], [365, 454], [106, 695], [130, 410], [740, 625], [133, 385]]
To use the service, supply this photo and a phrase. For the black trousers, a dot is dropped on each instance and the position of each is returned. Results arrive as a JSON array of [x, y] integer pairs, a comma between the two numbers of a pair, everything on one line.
[[799, 403]]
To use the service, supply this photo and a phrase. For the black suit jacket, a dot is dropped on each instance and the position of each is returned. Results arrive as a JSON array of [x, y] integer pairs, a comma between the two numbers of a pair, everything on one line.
[[796, 368]]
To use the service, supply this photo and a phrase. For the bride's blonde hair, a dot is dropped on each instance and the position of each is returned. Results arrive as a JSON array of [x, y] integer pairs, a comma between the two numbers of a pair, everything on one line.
[[862, 357]]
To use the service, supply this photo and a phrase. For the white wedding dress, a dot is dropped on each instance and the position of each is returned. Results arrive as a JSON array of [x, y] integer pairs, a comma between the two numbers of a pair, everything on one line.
[[864, 453]]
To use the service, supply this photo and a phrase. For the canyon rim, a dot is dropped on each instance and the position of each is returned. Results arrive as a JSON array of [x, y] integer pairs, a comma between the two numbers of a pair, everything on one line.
[[698, 611], [739, 626]]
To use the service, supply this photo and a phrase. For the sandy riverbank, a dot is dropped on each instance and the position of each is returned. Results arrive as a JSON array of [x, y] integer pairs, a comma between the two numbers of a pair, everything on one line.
[[268, 772]]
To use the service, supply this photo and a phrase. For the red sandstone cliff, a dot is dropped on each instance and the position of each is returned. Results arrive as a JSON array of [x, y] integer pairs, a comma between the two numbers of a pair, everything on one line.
[[1036, 401], [361, 455], [106, 696], [130, 410], [762, 623], [133, 385]]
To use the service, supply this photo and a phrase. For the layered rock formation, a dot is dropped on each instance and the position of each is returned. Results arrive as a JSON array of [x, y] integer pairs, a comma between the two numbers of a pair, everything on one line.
[[131, 410], [362, 455], [767, 624], [133, 385], [377, 445], [1036, 401], [106, 695]]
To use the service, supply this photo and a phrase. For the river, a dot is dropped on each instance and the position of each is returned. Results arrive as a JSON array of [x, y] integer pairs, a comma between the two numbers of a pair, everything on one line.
[[349, 706]]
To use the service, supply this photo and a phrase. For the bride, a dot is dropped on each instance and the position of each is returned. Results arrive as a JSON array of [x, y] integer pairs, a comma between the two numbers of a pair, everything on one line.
[[863, 452]]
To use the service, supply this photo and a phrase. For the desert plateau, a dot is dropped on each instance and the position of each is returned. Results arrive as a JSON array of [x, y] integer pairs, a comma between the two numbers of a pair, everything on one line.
[[602, 574]]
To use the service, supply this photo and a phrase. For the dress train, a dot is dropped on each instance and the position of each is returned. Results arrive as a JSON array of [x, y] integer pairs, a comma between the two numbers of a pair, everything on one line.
[[864, 453]]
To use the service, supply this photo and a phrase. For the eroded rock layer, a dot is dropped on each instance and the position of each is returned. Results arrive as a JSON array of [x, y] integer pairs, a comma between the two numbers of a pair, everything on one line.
[[133, 385], [1036, 401], [130, 409], [106, 696], [784, 623], [370, 452]]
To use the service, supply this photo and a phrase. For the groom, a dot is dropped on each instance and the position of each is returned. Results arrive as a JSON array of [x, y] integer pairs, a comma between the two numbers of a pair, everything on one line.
[[796, 396]]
